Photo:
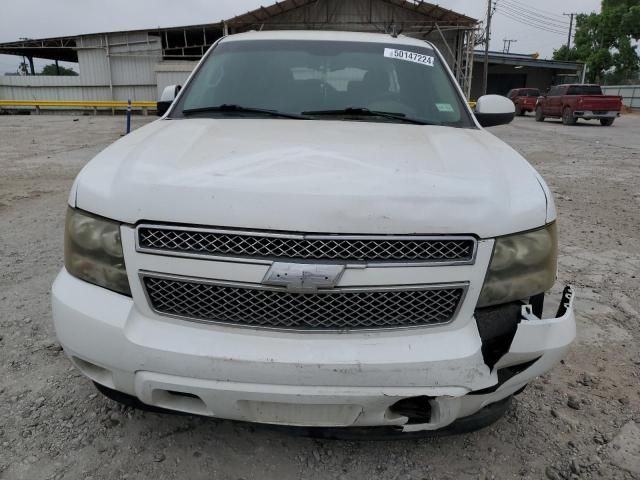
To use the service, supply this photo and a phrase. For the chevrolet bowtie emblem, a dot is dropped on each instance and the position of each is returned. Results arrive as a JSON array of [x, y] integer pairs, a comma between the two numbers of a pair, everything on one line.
[[303, 277]]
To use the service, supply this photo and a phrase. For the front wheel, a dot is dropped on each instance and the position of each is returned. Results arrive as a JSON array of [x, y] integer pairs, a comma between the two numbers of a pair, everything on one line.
[[567, 117], [606, 122], [519, 111], [539, 115]]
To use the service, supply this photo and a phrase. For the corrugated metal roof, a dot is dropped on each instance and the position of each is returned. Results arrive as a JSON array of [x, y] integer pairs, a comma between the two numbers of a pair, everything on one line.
[[526, 60], [59, 48], [63, 48], [430, 11]]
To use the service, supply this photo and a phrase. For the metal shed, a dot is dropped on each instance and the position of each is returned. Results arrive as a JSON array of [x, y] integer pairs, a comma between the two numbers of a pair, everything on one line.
[[512, 70], [138, 64]]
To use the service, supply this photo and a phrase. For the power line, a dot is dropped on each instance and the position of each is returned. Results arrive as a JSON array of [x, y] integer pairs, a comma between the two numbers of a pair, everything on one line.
[[529, 23], [524, 18], [538, 27], [532, 17], [520, 20], [538, 11]]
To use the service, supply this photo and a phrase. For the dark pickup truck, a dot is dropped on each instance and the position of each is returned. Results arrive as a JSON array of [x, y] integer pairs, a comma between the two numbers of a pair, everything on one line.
[[571, 102], [524, 99]]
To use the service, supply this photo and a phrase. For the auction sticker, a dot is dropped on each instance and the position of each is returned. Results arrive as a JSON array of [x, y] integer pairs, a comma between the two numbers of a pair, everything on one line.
[[409, 56], [444, 107]]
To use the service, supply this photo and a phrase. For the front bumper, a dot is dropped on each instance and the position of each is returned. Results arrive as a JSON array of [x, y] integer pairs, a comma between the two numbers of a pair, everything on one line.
[[328, 380]]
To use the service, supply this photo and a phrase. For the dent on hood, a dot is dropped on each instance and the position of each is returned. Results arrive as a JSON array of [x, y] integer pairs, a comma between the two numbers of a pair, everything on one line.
[[322, 176]]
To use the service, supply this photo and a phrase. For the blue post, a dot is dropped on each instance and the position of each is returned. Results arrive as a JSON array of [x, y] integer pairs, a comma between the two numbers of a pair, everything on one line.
[[128, 116]]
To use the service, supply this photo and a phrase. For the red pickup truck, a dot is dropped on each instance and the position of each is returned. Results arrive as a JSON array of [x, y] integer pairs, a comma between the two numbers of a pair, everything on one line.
[[524, 99], [571, 102]]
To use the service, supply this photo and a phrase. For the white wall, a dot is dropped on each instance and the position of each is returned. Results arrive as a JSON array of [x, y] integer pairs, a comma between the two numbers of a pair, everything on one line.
[[630, 94], [172, 73], [112, 67]]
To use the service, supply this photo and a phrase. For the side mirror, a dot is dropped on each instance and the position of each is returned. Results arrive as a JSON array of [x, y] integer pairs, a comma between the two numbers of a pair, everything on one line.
[[169, 94], [492, 110]]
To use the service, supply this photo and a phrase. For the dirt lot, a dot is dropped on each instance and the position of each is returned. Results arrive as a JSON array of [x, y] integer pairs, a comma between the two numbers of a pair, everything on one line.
[[580, 421]]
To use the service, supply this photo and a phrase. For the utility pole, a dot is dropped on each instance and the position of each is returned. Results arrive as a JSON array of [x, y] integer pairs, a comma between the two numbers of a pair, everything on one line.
[[485, 76], [506, 48], [570, 27]]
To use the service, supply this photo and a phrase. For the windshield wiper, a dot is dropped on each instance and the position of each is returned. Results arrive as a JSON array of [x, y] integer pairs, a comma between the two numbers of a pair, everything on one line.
[[226, 108], [365, 112]]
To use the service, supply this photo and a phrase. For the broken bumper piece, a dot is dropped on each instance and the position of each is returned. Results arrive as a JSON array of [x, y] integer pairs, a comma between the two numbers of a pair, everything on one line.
[[538, 345]]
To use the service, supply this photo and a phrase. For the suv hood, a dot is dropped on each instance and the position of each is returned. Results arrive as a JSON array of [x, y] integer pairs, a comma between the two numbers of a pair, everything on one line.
[[315, 176]]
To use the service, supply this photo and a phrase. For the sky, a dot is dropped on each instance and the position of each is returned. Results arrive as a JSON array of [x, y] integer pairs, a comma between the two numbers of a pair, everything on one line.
[[48, 18]]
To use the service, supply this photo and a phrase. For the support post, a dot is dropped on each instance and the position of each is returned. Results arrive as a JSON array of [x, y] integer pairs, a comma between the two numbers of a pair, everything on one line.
[[128, 116], [570, 28], [470, 53], [485, 74], [108, 52]]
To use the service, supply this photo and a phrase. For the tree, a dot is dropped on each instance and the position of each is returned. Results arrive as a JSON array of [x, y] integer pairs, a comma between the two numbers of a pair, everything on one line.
[[565, 53], [604, 41], [53, 70]]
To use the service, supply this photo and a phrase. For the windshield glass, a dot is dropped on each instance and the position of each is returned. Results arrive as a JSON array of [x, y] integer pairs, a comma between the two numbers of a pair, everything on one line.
[[309, 77], [530, 92], [584, 90]]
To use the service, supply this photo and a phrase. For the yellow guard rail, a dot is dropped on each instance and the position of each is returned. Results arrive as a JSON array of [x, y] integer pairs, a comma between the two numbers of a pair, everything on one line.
[[77, 104]]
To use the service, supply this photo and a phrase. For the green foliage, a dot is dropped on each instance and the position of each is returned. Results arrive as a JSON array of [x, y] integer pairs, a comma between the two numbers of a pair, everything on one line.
[[604, 41], [52, 70], [565, 53]]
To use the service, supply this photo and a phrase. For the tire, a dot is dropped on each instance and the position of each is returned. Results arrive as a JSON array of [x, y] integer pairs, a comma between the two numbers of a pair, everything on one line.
[[567, 117], [607, 122], [539, 115], [519, 111]]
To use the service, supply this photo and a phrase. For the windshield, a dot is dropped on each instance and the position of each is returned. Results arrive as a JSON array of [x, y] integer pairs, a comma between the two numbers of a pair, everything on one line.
[[321, 80], [530, 92], [584, 90]]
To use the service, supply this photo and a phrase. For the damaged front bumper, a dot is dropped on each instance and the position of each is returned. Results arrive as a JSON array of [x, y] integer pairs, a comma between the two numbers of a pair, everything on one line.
[[537, 346], [412, 379]]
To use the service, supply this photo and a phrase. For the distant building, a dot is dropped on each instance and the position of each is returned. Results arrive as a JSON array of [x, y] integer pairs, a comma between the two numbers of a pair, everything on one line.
[[511, 70], [138, 64]]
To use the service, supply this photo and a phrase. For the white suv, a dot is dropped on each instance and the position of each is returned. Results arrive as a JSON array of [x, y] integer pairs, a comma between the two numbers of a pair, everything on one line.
[[318, 232]]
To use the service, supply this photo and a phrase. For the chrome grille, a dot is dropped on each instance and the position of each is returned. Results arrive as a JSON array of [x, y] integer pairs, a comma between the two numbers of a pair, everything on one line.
[[338, 309], [196, 242]]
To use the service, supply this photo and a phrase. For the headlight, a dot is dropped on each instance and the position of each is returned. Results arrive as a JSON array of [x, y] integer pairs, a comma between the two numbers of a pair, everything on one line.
[[93, 251], [522, 265]]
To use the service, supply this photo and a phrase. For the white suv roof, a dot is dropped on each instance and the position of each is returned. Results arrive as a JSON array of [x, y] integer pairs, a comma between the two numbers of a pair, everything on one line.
[[326, 35]]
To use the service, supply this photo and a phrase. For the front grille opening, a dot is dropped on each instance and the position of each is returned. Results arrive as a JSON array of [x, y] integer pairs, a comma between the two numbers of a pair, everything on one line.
[[182, 394], [416, 409], [306, 247], [279, 308], [94, 372], [180, 401]]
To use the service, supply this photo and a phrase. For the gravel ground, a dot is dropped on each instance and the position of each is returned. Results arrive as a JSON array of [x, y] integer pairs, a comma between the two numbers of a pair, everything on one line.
[[582, 420]]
